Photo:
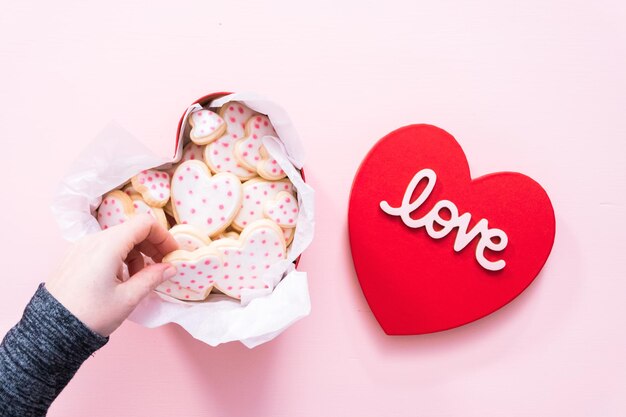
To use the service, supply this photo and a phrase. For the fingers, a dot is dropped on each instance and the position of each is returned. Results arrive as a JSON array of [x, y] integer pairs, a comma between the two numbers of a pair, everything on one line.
[[146, 280], [135, 262], [150, 237]]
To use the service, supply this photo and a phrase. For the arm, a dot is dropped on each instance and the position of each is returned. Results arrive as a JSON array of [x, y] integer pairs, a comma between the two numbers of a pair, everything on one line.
[[74, 313], [40, 355]]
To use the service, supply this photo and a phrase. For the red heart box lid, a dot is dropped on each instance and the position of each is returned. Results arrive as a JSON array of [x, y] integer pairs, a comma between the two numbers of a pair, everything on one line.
[[415, 283]]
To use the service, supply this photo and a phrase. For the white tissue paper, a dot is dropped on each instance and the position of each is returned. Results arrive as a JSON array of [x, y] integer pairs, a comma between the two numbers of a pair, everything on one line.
[[116, 155]]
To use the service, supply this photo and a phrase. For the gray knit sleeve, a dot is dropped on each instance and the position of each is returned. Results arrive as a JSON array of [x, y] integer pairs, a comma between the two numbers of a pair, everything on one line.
[[40, 355]]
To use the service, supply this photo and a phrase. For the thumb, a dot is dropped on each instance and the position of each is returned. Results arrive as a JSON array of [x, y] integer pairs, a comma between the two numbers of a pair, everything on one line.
[[146, 280]]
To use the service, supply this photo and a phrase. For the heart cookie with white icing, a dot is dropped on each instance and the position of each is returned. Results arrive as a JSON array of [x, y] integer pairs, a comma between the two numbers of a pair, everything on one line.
[[256, 193], [206, 126], [245, 260], [207, 202], [196, 273], [153, 185], [116, 208], [283, 210]]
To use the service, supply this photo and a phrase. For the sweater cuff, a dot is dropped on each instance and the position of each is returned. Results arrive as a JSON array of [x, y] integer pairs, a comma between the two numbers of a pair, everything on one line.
[[51, 321]]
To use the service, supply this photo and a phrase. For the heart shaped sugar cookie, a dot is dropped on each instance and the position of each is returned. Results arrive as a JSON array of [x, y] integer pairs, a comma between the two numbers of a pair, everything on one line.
[[153, 185], [206, 126], [188, 237], [196, 273], [116, 208], [283, 210], [207, 202], [245, 260], [256, 193]]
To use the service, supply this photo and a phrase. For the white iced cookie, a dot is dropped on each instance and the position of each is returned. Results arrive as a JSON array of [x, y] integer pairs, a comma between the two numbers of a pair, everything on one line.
[[206, 126], [282, 210], [153, 185], [248, 149], [220, 155], [268, 167], [207, 202], [188, 237], [245, 260], [196, 273], [141, 206], [255, 193], [116, 208]]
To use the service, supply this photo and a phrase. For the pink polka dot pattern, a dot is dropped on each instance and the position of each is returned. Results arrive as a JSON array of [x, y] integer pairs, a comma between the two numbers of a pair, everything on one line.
[[206, 126], [180, 292], [220, 157], [195, 271], [236, 115], [153, 185], [268, 167], [141, 206], [283, 210], [188, 237], [204, 201], [245, 261], [255, 193], [247, 149], [116, 208]]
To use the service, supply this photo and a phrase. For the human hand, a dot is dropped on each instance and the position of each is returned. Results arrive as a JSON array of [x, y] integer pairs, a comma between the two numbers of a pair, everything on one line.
[[89, 282]]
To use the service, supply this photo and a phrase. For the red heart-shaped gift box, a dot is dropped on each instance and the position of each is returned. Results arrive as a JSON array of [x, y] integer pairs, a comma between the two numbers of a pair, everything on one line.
[[417, 284]]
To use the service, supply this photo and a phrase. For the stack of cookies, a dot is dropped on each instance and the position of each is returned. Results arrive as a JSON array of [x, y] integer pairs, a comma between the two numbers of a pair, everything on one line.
[[227, 203]]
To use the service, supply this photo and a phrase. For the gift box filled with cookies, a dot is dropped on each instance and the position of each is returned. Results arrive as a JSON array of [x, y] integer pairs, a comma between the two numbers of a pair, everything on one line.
[[234, 198]]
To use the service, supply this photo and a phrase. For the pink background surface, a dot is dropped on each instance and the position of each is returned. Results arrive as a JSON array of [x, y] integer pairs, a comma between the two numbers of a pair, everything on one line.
[[536, 87]]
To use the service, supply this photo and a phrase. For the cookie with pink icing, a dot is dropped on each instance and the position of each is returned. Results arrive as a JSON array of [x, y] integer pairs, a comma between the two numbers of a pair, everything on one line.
[[268, 167], [153, 185], [256, 193], [116, 208], [245, 260], [196, 272], [188, 237], [282, 210], [206, 126], [220, 155], [208, 202], [179, 292], [140, 206]]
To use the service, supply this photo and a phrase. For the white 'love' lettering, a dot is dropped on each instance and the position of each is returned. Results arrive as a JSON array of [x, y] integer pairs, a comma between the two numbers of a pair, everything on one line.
[[463, 237]]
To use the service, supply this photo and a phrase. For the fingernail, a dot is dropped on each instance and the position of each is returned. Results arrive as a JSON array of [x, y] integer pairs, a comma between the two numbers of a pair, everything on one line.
[[169, 272]]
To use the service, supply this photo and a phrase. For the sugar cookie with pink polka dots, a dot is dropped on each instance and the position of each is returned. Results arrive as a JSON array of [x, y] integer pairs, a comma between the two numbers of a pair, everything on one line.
[[179, 292], [188, 237], [247, 148], [220, 155], [141, 206], [255, 193], [207, 202], [206, 126], [282, 210], [196, 271], [116, 208], [268, 167], [153, 185], [245, 260]]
